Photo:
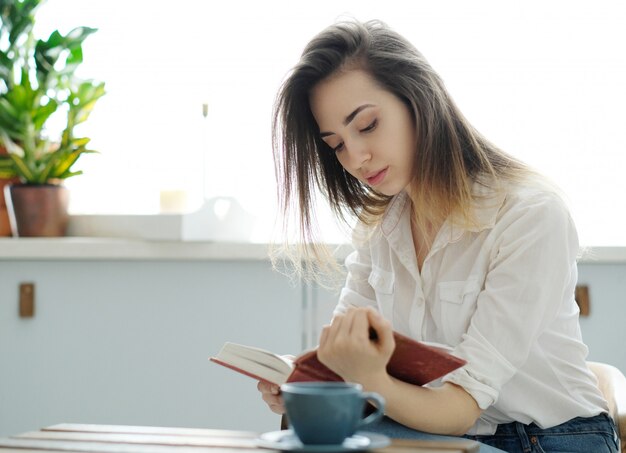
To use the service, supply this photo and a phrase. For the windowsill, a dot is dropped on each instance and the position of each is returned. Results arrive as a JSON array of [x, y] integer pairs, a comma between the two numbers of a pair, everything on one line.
[[95, 248], [603, 255]]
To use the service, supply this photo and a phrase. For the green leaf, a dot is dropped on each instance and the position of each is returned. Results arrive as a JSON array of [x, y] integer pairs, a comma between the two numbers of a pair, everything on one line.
[[25, 80], [8, 107], [22, 97], [80, 142], [7, 174], [46, 55], [42, 114], [47, 170], [76, 36], [63, 165], [6, 65], [22, 168], [70, 174], [7, 168], [83, 100], [21, 18], [12, 147], [54, 40], [9, 128], [75, 57]]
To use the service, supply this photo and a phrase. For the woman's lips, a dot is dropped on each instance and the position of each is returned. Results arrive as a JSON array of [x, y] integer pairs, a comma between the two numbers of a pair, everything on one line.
[[377, 178]]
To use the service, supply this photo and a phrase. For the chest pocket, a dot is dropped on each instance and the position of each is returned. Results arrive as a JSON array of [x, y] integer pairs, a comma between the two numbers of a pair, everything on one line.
[[457, 300], [383, 283]]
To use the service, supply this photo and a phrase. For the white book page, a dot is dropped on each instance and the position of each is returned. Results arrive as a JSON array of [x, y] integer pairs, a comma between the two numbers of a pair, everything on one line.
[[257, 361]]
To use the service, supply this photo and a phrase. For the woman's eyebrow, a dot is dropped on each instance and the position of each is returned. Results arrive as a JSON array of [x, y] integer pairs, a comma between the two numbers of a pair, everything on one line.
[[349, 118]]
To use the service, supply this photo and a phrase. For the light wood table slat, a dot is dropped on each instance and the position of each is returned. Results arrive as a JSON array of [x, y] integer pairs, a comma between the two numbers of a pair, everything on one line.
[[156, 430], [18, 445], [145, 439], [90, 438]]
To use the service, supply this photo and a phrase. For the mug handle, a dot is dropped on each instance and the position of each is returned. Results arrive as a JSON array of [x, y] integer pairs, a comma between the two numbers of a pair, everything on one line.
[[379, 405]]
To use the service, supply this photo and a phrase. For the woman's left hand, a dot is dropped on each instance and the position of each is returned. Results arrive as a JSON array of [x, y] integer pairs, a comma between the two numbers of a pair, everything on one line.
[[346, 348]]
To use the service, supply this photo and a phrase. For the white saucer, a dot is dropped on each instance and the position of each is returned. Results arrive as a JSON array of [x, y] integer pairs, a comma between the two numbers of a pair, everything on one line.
[[288, 441]]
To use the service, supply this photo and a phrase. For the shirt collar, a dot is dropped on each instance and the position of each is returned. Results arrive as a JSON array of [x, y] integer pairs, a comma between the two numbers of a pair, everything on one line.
[[393, 213]]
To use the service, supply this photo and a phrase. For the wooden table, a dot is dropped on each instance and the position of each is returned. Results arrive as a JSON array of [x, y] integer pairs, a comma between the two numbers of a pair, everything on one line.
[[141, 439]]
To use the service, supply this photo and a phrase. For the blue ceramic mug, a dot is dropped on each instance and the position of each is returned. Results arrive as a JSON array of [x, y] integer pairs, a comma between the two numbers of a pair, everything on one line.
[[328, 412]]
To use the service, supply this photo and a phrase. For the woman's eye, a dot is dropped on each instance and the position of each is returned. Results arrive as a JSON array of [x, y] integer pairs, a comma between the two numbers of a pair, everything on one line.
[[339, 147], [371, 127]]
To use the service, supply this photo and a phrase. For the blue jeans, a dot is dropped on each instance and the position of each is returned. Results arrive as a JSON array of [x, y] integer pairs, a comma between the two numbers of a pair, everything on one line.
[[395, 430], [585, 435]]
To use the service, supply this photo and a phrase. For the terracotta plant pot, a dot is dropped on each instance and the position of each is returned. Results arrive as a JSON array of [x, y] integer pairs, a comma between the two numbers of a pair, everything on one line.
[[37, 210]]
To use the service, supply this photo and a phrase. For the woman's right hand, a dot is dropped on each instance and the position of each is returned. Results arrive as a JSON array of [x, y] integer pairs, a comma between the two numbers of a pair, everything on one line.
[[271, 395]]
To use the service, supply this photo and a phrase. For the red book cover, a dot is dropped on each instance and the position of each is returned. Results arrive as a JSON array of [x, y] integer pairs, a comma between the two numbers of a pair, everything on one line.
[[413, 362], [238, 370]]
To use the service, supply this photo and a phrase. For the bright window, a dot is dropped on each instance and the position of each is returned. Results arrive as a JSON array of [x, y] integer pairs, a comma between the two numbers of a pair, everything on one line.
[[546, 81]]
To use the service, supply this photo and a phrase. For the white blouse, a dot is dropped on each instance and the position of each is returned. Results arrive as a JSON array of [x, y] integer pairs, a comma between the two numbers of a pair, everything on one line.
[[501, 295]]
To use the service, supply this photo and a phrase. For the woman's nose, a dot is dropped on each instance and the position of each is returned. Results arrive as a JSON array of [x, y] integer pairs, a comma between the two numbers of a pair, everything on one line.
[[359, 153]]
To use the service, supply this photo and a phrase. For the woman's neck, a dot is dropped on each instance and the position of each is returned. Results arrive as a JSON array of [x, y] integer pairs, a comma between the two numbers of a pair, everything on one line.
[[424, 232]]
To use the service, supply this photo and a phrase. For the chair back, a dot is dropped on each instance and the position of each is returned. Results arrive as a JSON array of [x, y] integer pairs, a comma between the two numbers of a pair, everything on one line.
[[612, 384]]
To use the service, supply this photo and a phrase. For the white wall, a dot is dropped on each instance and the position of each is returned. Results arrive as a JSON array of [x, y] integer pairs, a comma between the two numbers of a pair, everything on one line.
[[604, 330]]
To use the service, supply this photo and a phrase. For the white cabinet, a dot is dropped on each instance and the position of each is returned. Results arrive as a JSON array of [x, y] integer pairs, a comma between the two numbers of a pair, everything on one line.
[[126, 342]]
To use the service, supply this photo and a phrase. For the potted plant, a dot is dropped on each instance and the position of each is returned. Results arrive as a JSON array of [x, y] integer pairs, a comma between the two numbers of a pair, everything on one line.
[[38, 82]]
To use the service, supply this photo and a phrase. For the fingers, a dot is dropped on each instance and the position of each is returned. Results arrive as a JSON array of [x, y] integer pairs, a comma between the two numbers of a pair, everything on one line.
[[346, 329], [359, 327], [383, 330], [277, 408], [267, 387], [347, 349], [271, 395], [324, 336], [344, 321], [335, 328]]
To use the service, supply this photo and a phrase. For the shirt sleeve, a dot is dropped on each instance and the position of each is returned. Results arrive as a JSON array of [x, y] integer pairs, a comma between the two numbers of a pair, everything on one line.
[[531, 275]]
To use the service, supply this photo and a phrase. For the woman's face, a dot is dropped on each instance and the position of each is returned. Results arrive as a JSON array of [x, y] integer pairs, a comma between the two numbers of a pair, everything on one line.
[[370, 130]]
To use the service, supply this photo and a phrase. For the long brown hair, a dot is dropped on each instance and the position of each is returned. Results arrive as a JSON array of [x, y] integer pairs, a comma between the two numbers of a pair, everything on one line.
[[450, 155]]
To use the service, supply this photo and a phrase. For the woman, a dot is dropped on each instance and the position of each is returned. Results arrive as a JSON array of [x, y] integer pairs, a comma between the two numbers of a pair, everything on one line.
[[456, 243]]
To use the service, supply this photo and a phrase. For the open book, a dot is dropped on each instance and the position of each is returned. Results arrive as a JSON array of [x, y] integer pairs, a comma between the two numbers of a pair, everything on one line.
[[412, 361]]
